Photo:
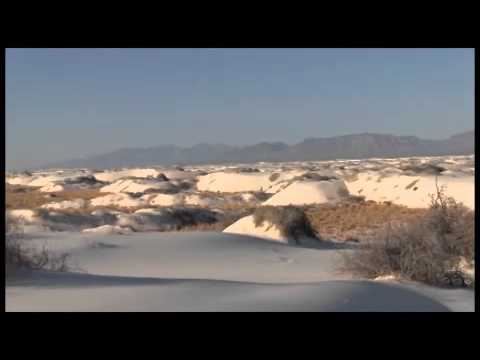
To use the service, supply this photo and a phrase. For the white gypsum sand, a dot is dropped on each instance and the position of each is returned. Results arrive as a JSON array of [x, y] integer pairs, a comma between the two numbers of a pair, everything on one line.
[[210, 272], [412, 191], [309, 192]]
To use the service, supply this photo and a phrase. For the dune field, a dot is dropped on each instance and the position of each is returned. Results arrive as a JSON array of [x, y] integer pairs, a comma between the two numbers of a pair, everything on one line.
[[210, 238]]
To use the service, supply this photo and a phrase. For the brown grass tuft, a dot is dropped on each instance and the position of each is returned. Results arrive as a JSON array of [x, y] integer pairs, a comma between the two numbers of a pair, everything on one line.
[[27, 197], [359, 220]]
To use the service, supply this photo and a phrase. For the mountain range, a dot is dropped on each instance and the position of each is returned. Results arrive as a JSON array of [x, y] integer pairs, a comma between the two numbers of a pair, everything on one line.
[[355, 146]]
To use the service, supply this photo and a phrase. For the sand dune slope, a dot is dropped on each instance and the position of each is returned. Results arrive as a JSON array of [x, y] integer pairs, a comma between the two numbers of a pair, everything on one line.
[[309, 192], [209, 272], [412, 191], [80, 292]]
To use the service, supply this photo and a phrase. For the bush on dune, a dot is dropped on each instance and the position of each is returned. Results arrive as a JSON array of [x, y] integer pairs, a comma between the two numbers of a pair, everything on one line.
[[429, 249], [290, 220]]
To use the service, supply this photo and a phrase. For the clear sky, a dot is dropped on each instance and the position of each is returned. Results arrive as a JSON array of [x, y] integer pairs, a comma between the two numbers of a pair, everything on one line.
[[68, 103]]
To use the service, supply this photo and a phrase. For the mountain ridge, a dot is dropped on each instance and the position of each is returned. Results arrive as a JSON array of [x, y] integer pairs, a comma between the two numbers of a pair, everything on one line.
[[351, 146]]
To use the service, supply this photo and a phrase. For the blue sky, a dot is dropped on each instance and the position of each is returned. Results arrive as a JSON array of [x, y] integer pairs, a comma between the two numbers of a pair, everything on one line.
[[67, 103]]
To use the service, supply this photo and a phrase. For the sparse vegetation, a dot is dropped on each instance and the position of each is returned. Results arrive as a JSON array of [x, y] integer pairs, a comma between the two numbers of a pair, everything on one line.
[[357, 219], [27, 197], [429, 169], [19, 256], [313, 176], [191, 216], [240, 170], [429, 248], [291, 220]]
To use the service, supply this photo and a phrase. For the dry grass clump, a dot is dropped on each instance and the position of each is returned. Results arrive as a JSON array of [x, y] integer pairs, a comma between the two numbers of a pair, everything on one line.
[[27, 197], [429, 248], [23, 197], [290, 220], [357, 220], [18, 256], [85, 194]]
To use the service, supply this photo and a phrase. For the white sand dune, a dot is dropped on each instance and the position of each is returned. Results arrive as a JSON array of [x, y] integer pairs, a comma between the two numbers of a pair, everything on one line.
[[120, 200], [67, 204], [46, 180], [210, 272], [166, 199], [19, 180], [108, 230], [135, 186], [233, 182], [52, 188], [22, 214], [114, 175], [269, 231], [242, 182], [212, 201], [245, 268], [179, 175], [412, 191], [246, 226], [309, 192], [99, 293]]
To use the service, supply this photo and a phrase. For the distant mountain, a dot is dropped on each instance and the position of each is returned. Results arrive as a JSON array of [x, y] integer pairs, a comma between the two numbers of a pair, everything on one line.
[[355, 146]]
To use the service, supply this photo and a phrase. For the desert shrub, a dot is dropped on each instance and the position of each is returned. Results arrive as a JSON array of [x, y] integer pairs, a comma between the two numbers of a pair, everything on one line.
[[311, 176], [162, 177], [429, 248], [274, 177], [184, 216], [192, 216], [19, 190], [290, 220], [454, 225], [314, 176], [241, 170], [428, 169], [262, 196], [185, 185], [221, 221], [88, 180], [19, 256], [73, 219]]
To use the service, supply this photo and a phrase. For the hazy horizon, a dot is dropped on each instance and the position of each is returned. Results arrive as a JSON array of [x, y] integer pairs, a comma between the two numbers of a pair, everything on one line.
[[72, 103]]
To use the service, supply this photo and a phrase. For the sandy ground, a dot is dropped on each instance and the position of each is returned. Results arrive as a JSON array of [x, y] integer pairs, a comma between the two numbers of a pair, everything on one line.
[[210, 272]]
